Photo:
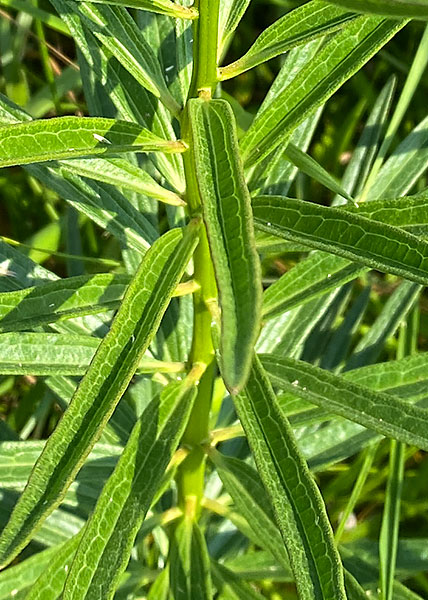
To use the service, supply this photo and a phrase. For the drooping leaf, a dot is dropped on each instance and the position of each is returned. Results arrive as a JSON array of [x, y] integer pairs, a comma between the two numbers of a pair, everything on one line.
[[299, 26], [103, 385], [110, 532], [65, 137], [340, 57], [299, 508], [227, 214]]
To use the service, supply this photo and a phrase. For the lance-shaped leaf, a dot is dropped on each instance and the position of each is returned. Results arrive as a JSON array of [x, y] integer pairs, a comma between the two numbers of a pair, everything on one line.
[[110, 532], [60, 354], [100, 390], [349, 235], [23, 310], [65, 137], [231, 13], [189, 563], [410, 9], [161, 7], [50, 584], [342, 56], [386, 414], [119, 33], [299, 508], [227, 214], [312, 20], [124, 174]]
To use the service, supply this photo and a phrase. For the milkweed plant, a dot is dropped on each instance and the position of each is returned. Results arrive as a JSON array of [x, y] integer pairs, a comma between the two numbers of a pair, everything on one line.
[[215, 422]]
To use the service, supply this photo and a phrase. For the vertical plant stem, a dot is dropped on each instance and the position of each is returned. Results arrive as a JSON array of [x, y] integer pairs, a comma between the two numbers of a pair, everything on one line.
[[190, 478]]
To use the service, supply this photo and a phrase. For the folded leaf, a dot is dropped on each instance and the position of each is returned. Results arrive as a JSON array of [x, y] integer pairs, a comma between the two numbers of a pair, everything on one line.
[[299, 508], [65, 137], [100, 390], [351, 236], [226, 210]]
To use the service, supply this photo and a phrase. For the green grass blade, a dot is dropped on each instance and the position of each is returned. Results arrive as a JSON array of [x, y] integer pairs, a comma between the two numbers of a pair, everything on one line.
[[342, 56], [349, 235], [189, 563], [299, 508], [102, 387], [161, 7], [410, 9], [383, 413], [66, 137], [391, 519], [313, 19], [109, 535], [227, 214]]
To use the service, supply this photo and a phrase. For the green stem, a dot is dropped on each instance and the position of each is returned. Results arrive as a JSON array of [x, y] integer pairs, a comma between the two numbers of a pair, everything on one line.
[[190, 476], [205, 48]]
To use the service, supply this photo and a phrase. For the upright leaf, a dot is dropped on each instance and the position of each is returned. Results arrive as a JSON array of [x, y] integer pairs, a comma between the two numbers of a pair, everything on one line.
[[313, 19], [299, 508], [227, 214], [189, 563], [340, 57], [102, 387]]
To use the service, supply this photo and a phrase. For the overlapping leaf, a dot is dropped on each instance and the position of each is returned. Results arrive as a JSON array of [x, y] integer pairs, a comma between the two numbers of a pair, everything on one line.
[[227, 214], [110, 532], [102, 387], [411, 9], [162, 7], [340, 57], [65, 137], [300, 512], [297, 27], [348, 235]]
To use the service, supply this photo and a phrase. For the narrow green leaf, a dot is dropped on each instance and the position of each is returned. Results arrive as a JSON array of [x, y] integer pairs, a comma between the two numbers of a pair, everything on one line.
[[384, 413], [251, 501], [189, 563], [161, 7], [227, 214], [65, 137], [300, 511], [231, 13], [22, 576], [340, 57], [313, 19], [109, 535], [102, 387], [240, 590], [410, 9], [50, 584], [122, 173], [60, 354], [351, 236], [114, 27]]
